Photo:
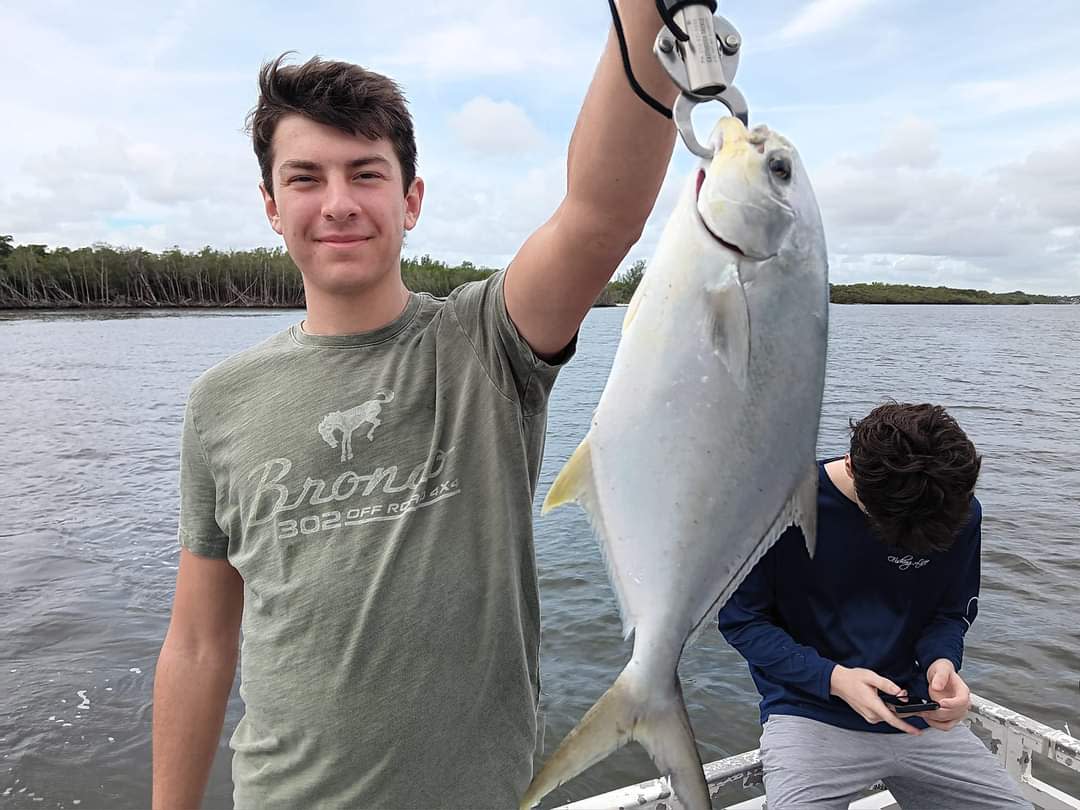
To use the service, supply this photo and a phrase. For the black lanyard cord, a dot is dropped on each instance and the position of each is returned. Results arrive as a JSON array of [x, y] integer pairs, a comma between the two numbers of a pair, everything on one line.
[[637, 88]]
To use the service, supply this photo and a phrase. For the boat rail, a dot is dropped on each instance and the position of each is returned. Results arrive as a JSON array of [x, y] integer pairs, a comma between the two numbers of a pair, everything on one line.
[[1016, 740]]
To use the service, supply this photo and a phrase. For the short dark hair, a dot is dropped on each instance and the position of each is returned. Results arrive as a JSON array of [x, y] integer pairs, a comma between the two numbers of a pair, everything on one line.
[[338, 94], [915, 472]]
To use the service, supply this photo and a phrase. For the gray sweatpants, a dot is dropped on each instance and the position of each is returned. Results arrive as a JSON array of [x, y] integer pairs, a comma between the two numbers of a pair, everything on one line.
[[809, 764]]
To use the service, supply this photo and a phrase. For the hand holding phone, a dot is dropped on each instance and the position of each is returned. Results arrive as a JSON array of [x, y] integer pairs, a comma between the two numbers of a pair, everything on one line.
[[903, 705]]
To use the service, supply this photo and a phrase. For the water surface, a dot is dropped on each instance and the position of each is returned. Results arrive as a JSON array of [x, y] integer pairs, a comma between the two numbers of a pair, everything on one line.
[[91, 407]]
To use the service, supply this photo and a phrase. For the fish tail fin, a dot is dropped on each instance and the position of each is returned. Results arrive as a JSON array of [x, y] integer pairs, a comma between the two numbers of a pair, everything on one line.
[[627, 712], [573, 481], [606, 727]]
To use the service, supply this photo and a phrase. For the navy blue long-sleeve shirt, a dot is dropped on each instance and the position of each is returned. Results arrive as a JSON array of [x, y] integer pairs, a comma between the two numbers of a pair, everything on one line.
[[858, 602]]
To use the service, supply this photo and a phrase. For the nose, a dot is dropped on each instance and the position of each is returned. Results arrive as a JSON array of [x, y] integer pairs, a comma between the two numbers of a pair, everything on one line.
[[339, 203]]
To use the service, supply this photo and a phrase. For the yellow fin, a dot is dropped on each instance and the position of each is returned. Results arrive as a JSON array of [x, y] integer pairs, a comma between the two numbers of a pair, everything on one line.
[[574, 480], [632, 308]]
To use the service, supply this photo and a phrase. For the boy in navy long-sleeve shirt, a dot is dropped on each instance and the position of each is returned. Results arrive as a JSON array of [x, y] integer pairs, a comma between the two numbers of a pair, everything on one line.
[[882, 607]]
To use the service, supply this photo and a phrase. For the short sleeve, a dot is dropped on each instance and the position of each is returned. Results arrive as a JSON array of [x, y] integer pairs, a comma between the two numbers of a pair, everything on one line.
[[480, 310], [199, 531]]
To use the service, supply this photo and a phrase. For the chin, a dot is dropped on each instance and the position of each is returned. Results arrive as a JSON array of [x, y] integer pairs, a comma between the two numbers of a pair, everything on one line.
[[342, 278]]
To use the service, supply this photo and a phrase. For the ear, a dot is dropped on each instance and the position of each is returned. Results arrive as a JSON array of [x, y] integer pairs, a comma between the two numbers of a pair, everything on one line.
[[847, 466], [414, 198], [271, 209]]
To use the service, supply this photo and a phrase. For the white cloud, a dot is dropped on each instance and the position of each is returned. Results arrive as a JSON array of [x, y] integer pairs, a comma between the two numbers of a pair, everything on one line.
[[823, 15], [1041, 88], [124, 127], [1002, 228], [910, 144], [495, 127], [494, 39]]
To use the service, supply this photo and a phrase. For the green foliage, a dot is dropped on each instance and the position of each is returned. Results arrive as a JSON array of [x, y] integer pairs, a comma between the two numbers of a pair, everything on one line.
[[105, 276], [621, 290], [879, 293], [32, 276], [425, 274]]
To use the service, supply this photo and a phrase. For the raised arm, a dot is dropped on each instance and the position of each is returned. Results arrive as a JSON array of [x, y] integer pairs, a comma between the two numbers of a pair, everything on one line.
[[617, 159], [195, 672]]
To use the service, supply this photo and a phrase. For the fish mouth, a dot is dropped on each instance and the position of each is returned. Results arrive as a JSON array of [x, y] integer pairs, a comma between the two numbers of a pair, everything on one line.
[[725, 243]]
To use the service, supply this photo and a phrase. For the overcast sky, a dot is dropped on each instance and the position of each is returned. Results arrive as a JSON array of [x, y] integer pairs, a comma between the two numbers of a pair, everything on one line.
[[943, 137]]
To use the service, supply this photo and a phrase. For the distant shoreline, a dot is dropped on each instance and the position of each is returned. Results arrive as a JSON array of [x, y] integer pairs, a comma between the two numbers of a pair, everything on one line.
[[193, 307], [33, 277], [880, 293]]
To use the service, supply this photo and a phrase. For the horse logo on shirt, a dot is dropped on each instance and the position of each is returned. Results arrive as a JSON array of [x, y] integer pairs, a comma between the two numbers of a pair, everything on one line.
[[346, 422]]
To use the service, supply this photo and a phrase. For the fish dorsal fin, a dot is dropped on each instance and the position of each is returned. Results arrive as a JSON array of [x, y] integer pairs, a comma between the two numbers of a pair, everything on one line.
[[799, 510], [804, 506], [631, 310], [729, 324], [573, 481]]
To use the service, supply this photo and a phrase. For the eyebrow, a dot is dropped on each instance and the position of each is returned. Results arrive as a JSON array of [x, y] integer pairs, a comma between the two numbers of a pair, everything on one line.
[[312, 166]]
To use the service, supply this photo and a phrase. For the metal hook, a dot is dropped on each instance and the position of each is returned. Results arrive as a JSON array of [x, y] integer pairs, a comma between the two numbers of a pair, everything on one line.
[[702, 73]]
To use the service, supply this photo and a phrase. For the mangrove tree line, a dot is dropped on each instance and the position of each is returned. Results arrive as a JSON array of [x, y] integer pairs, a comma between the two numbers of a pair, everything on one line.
[[33, 276]]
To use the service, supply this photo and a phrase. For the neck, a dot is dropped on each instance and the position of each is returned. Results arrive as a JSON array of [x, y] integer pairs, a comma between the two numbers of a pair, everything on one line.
[[365, 310], [839, 475]]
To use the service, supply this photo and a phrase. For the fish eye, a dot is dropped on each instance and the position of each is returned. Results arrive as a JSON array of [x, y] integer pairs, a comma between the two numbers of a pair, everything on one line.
[[780, 167]]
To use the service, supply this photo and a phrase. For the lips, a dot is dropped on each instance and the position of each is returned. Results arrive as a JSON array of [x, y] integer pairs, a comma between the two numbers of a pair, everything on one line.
[[343, 240], [733, 248]]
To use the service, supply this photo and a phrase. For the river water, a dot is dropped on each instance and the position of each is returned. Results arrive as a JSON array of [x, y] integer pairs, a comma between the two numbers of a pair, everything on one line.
[[91, 406]]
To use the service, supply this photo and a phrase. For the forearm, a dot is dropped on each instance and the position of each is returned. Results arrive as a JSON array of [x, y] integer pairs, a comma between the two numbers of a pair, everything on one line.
[[620, 148], [191, 691], [944, 638], [774, 652]]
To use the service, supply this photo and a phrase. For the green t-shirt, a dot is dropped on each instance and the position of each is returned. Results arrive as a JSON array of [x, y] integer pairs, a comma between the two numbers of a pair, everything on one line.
[[375, 493]]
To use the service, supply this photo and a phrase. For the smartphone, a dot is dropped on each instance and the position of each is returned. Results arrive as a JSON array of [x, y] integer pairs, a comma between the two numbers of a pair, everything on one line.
[[907, 705]]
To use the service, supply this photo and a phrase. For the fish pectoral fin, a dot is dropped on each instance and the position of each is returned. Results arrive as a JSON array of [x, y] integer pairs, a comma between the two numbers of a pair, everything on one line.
[[573, 481], [729, 325]]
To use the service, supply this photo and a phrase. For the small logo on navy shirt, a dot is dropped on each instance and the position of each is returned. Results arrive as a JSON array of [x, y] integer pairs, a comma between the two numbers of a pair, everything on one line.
[[908, 561]]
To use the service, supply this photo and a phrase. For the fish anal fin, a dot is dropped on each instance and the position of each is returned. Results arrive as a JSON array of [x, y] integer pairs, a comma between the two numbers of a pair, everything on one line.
[[729, 325], [573, 481]]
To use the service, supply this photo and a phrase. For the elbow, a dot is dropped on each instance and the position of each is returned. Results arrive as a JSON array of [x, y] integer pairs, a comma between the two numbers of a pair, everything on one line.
[[618, 236], [605, 235], [209, 651]]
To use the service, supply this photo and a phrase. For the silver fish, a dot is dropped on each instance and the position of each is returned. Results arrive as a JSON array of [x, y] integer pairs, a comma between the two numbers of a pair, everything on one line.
[[702, 448]]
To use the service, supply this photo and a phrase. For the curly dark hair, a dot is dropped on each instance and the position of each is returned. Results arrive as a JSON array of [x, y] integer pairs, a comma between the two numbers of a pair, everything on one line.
[[338, 94], [915, 473]]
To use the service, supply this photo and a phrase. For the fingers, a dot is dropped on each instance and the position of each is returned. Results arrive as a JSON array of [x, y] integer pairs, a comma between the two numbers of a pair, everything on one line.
[[887, 686], [942, 718], [894, 720]]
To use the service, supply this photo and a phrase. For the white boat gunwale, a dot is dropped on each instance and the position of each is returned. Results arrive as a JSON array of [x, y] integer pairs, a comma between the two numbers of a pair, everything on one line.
[[1017, 741]]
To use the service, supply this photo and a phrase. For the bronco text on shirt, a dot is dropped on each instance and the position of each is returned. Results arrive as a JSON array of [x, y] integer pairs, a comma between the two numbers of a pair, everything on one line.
[[375, 493]]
